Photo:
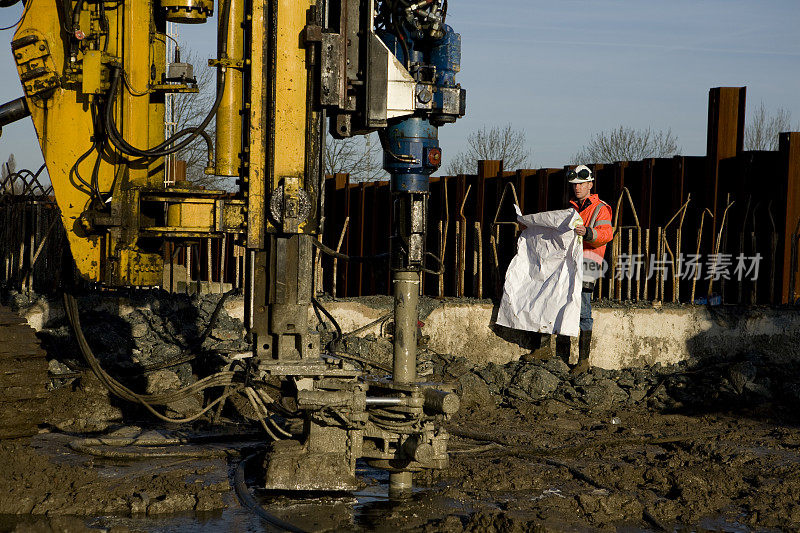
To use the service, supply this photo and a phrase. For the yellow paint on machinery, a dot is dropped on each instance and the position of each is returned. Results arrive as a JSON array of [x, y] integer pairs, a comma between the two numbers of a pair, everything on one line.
[[67, 84], [136, 110], [229, 115], [62, 79], [58, 114], [290, 92], [256, 171], [197, 214], [276, 91], [291, 108]]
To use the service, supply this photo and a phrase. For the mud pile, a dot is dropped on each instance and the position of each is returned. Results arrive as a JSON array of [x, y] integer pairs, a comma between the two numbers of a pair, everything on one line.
[[150, 341], [710, 444], [707, 444], [687, 386]]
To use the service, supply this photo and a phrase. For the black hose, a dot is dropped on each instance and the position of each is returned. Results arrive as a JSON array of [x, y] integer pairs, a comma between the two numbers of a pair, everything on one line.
[[74, 170], [345, 257], [401, 37], [76, 16], [158, 151], [327, 313], [161, 150], [251, 503], [92, 189], [104, 24], [212, 320]]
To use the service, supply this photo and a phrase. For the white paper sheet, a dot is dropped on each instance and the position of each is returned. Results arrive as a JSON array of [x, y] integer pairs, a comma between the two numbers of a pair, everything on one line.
[[542, 291]]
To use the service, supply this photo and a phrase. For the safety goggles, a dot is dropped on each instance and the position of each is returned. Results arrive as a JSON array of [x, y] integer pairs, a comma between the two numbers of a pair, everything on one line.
[[582, 174]]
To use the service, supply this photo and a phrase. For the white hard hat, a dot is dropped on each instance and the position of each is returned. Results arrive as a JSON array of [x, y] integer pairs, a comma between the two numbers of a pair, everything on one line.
[[581, 174]]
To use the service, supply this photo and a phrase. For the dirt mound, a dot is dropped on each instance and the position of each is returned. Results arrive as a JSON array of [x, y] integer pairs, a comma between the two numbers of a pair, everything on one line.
[[23, 377]]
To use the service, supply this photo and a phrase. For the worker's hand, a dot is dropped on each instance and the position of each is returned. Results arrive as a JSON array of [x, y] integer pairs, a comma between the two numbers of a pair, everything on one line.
[[580, 230]]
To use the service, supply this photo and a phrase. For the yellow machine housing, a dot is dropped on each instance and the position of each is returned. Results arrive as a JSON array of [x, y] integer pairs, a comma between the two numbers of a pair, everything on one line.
[[115, 207]]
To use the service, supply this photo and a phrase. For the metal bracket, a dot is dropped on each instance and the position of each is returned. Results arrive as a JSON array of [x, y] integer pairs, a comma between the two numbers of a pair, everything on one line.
[[35, 65], [229, 63], [174, 88], [289, 204]]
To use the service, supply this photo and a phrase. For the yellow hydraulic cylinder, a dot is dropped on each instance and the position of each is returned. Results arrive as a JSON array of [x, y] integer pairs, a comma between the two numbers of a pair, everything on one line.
[[136, 112], [229, 115], [290, 93]]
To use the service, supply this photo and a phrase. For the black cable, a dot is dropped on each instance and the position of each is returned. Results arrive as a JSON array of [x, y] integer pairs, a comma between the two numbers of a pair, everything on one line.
[[327, 313], [95, 179], [76, 17], [92, 184], [212, 320], [345, 257], [252, 504], [159, 151], [91, 191], [401, 37], [104, 24]]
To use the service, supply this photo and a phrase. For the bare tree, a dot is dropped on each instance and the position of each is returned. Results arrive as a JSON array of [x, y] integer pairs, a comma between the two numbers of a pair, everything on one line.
[[761, 131], [498, 143], [627, 144], [359, 156], [11, 165], [11, 185]]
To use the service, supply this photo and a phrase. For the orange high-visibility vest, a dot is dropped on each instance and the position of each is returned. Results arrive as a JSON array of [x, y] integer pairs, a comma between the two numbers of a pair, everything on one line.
[[596, 216]]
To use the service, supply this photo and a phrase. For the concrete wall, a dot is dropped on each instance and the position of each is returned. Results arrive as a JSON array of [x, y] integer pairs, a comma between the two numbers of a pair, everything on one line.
[[623, 337]]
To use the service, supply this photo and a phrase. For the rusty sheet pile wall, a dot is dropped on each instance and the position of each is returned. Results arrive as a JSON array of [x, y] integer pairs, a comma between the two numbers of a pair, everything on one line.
[[725, 225]]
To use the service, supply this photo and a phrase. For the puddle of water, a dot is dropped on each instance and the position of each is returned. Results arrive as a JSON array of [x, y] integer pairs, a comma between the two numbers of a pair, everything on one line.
[[363, 510]]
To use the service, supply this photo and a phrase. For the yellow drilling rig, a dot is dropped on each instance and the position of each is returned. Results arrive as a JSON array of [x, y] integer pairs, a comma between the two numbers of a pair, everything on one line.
[[95, 74]]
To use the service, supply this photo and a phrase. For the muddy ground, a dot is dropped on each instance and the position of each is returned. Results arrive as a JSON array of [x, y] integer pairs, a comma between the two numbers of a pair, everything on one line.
[[708, 445]]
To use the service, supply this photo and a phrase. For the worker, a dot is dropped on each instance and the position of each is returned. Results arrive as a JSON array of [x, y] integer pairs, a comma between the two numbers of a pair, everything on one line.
[[596, 231]]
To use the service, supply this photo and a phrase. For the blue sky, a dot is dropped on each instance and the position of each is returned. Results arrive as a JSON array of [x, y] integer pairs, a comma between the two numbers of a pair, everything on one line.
[[562, 70]]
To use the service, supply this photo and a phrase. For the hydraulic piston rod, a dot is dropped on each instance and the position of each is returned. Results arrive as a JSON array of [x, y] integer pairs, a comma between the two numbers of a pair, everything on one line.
[[406, 309]]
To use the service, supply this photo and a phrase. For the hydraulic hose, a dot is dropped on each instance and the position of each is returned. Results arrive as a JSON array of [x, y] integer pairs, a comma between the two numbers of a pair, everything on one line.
[[163, 148], [158, 151], [220, 379], [345, 257], [98, 446], [251, 503]]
